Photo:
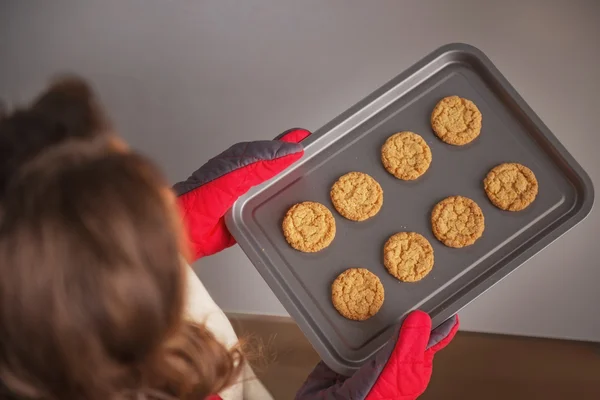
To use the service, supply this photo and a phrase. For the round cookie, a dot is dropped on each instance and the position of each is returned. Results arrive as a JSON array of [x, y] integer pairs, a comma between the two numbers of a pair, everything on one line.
[[309, 227], [457, 221], [408, 256], [511, 186], [406, 155], [456, 121], [357, 196], [357, 294]]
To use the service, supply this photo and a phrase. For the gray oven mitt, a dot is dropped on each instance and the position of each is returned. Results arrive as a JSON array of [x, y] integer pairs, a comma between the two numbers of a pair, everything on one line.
[[400, 370]]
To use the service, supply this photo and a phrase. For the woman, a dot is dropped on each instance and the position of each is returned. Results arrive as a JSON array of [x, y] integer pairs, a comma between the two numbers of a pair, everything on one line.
[[96, 299]]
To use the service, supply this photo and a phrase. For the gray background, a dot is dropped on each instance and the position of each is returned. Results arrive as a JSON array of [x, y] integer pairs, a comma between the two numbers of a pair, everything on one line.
[[185, 79]]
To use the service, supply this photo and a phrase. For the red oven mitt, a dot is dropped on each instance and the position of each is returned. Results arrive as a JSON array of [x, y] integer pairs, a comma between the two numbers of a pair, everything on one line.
[[400, 370], [208, 193]]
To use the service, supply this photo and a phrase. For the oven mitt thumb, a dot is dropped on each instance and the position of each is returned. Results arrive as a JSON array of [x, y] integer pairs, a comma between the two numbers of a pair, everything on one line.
[[209, 193], [400, 370]]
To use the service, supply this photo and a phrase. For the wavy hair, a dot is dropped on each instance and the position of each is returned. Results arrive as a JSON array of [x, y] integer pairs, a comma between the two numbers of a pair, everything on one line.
[[93, 287]]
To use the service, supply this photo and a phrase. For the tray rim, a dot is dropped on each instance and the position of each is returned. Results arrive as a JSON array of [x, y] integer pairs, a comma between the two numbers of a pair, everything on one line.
[[583, 204]]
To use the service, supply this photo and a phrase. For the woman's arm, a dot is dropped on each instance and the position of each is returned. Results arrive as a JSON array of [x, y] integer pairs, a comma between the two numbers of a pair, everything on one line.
[[204, 198], [210, 191], [202, 308]]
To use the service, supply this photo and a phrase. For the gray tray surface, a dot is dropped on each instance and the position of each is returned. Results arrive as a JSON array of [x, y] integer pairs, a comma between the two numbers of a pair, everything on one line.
[[511, 133]]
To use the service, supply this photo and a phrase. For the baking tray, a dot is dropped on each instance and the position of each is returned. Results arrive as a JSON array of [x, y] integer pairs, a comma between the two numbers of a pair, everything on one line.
[[511, 132]]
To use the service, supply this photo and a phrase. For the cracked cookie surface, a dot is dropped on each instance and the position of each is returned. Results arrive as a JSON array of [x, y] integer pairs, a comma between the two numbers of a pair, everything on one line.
[[406, 155], [456, 120], [408, 256], [309, 227], [511, 186], [357, 294], [457, 221], [357, 196]]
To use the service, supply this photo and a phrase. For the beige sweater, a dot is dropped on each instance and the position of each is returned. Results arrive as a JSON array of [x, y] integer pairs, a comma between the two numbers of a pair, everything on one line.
[[202, 308]]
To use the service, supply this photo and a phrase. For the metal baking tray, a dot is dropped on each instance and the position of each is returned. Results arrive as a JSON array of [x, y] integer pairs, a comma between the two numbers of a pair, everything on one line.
[[511, 132]]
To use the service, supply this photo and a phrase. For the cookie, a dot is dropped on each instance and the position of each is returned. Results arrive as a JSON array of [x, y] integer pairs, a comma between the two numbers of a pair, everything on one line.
[[511, 186], [357, 196], [408, 256], [457, 221], [357, 294], [406, 155], [309, 227], [456, 121]]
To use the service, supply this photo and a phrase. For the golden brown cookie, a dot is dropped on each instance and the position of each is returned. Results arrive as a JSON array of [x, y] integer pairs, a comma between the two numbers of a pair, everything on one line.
[[457, 221], [406, 155], [357, 196], [456, 120], [408, 256], [511, 186], [357, 294], [309, 227]]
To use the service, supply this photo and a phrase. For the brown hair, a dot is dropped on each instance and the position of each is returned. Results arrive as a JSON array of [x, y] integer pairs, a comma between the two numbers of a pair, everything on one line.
[[66, 110], [92, 284]]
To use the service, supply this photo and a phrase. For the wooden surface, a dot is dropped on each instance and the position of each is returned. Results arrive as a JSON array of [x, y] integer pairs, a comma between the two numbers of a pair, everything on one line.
[[474, 366]]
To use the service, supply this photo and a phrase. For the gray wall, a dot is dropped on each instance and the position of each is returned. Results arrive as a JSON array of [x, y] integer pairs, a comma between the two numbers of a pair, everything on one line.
[[185, 79]]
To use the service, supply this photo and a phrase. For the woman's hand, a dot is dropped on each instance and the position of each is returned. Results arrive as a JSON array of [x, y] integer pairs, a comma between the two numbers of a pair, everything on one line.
[[209, 193], [400, 370]]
